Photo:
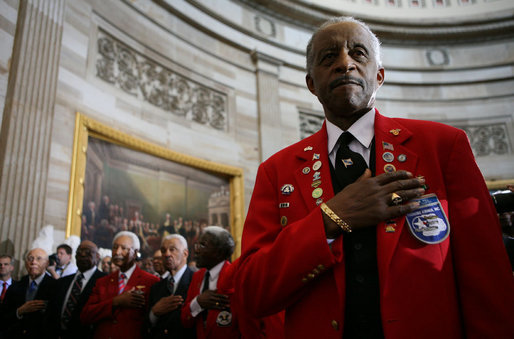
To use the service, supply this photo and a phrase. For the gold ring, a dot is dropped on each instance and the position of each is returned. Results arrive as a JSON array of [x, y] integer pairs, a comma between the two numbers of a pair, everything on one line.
[[396, 199]]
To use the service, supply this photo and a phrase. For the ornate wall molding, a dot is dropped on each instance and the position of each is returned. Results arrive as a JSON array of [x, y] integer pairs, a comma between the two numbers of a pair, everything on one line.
[[145, 79], [488, 139], [309, 123]]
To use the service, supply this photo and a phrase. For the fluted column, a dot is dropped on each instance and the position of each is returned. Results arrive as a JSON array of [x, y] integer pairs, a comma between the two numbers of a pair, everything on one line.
[[27, 123], [270, 130]]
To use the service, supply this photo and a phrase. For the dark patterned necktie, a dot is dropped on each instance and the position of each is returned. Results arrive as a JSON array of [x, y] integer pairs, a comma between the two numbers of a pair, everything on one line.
[[171, 284], [71, 304], [350, 165]]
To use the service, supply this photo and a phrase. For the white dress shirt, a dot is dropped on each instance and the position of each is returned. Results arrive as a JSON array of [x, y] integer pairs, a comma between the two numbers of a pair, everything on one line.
[[213, 283]]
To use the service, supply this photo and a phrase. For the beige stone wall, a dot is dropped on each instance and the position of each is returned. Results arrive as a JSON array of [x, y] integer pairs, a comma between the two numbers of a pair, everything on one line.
[[8, 17]]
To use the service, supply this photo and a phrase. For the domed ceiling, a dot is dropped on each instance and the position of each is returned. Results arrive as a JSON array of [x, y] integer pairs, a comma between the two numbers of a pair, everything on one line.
[[405, 21]]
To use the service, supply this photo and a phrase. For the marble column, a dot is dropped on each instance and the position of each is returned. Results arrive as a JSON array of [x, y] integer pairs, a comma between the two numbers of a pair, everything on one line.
[[27, 123], [268, 101]]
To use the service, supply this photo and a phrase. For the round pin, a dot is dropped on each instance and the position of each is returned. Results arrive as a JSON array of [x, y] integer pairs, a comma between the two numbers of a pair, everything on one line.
[[317, 165], [319, 201], [389, 168], [388, 156], [318, 192], [402, 158], [306, 170], [283, 220]]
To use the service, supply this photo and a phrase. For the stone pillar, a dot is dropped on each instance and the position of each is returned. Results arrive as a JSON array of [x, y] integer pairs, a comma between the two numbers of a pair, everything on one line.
[[27, 123], [270, 129]]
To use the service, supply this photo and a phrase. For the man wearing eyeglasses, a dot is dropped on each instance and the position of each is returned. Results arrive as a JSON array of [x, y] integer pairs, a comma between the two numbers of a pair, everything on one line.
[[24, 311], [208, 299], [117, 306]]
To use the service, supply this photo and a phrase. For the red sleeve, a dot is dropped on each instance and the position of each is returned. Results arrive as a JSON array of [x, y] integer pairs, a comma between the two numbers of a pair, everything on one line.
[[485, 281], [187, 319], [99, 304], [276, 259]]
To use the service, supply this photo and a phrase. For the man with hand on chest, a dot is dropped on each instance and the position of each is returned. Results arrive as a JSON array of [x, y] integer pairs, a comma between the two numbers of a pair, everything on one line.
[[373, 227], [208, 300], [168, 295], [117, 306], [73, 291]]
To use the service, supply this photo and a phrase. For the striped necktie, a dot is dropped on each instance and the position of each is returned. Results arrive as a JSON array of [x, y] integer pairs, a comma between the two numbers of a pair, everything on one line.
[[4, 290], [71, 304], [121, 283]]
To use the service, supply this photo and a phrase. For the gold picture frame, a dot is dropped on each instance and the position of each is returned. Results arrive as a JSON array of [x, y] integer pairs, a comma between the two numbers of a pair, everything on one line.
[[86, 128]]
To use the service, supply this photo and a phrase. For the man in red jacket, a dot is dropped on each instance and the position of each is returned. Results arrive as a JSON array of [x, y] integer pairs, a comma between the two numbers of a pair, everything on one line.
[[118, 303], [373, 227], [208, 305]]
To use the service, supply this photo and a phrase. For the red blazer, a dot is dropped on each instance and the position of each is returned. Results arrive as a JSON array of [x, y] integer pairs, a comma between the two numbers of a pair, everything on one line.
[[118, 322], [211, 329], [461, 287]]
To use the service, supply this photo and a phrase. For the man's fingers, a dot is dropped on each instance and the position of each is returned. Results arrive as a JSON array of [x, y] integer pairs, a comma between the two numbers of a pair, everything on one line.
[[365, 175], [386, 178]]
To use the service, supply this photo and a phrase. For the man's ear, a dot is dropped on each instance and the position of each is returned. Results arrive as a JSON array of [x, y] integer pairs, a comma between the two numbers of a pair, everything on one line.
[[380, 76], [310, 84]]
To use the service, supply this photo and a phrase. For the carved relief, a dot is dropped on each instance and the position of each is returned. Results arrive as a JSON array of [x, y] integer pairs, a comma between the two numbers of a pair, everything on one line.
[[488, 139], [310, 124], [143, 78]]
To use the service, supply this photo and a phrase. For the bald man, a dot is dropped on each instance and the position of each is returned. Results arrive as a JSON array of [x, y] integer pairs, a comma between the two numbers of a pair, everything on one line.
[[24, 311], [73, 292]]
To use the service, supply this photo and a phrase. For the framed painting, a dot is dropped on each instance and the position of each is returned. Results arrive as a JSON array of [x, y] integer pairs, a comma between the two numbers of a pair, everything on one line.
[[120, 182]]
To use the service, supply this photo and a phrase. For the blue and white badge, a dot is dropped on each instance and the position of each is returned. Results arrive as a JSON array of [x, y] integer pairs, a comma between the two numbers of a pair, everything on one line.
[[428, 223]]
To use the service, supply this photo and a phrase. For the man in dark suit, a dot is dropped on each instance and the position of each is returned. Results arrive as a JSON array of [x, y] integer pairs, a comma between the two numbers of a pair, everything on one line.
[[24, 311], [117, 307], [73, 292], [168, 295]]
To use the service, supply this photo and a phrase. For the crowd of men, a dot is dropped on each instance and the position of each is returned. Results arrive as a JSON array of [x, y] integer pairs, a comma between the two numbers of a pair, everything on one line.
[[128, 302]]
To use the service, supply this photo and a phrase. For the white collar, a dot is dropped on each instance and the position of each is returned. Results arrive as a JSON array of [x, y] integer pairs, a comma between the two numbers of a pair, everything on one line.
[[363, 130]]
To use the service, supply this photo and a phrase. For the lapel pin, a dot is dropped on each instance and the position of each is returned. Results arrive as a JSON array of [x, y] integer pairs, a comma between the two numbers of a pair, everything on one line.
[[306, 170], [402, 158], [387, 146], [287, 189], [317, 165], [319, 201], [316, 183], [395, 131], [283, 205], [283, 220], [318, 192], [388, 157], [308, 148], [315, 156], [316, 176], [389, 168], [347, 162]]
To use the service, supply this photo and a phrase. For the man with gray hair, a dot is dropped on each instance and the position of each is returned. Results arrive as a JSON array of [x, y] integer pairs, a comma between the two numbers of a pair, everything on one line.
[[208, 305], [349, 229], [24, 310], [117, 306], [168, 295]]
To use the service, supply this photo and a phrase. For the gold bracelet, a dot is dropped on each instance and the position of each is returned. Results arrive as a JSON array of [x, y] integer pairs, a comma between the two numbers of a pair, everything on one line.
[[335, 218]]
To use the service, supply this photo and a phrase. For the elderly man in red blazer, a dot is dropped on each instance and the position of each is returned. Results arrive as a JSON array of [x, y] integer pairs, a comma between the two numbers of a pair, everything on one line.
[[208, 306], [373, 227], [118, 303]]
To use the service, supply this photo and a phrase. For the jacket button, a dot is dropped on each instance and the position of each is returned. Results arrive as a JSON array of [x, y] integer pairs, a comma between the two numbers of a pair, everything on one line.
[[335, 325]]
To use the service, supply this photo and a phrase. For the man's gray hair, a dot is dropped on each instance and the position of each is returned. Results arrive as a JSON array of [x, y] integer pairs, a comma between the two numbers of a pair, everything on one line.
[[135, 240], [222, 239], [182, 240], [375, 42]]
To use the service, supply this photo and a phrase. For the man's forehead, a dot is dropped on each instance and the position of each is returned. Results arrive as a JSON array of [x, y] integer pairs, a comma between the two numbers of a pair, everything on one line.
[[341, 33], [171, 242], [123, 240]]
